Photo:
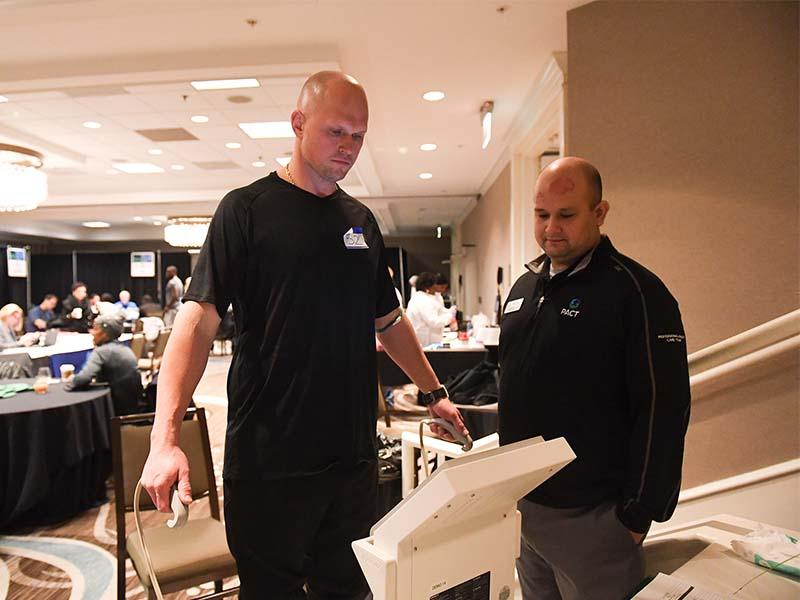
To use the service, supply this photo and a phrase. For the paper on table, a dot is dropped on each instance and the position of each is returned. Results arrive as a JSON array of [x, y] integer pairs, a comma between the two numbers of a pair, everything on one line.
[[667, 587]]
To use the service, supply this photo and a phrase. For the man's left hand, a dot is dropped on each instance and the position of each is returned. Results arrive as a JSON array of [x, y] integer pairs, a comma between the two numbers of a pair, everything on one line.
[[447, 410]]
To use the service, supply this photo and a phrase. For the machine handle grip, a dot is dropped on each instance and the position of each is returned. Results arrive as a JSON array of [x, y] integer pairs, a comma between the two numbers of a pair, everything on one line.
[[464, 440]]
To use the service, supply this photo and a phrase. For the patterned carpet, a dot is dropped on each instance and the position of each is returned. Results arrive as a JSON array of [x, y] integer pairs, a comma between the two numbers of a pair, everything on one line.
[[77, 559]]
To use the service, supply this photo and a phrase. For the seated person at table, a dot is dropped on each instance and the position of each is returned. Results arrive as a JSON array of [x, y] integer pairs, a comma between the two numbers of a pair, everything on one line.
[[39, 316], [111, 362], [10, 320], [426, 311], [127, 306], [75, 312]]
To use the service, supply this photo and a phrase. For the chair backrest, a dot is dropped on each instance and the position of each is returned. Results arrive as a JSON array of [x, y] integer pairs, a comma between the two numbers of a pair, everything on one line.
[[16, 365], [137, 345], [161, 342], [131, 445]]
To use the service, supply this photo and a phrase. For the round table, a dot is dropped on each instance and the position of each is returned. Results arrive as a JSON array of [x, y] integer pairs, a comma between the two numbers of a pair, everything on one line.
[[55, 454]]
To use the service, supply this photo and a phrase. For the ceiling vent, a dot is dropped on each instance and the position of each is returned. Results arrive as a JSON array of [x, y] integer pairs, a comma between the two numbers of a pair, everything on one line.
[[216, 165], [177, 134]]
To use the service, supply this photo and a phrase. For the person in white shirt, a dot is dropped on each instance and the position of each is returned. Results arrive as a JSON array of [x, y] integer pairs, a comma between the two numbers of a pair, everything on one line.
[[427, 313]]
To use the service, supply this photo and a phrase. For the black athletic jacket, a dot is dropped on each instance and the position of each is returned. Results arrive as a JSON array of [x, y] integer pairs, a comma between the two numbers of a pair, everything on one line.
[[597, 354]]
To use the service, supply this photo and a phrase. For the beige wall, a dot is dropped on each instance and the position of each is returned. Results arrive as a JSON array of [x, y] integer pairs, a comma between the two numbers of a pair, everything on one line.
[[690, 112], [487, 226]]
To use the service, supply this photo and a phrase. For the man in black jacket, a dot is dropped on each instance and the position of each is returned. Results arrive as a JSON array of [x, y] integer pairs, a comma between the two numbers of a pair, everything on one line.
[[592, 348]]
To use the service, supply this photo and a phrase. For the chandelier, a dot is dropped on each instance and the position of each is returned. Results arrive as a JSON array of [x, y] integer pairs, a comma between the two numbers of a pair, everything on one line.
[[22, 185], [186, 232]]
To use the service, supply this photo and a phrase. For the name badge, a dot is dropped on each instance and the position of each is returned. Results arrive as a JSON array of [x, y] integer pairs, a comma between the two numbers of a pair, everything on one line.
[[354, 239], [513, 305]]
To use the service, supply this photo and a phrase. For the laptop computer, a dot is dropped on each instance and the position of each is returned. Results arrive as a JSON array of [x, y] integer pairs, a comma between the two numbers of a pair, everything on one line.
[[50, 337]]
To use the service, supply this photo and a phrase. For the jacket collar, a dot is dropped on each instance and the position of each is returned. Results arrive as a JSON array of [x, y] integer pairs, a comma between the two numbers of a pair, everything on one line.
[[541, 264]]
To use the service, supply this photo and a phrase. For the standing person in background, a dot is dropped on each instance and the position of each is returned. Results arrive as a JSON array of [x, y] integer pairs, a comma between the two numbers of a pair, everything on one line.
[[427, 313], [75, 311], [592, 348], [149, 308], [173, 303], [39, 316]]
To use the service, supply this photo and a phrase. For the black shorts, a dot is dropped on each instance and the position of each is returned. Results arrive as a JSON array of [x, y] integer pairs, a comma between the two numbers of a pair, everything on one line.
[[297, 531]]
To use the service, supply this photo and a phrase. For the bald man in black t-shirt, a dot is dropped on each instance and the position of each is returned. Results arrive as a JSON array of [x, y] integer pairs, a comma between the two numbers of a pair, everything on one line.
[[302, 263]]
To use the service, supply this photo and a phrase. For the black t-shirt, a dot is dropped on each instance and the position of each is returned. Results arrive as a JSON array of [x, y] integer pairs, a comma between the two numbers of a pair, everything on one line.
[[307, 278]]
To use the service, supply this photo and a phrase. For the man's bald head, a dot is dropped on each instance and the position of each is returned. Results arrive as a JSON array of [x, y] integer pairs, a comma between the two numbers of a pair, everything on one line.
[[561, 176], [334, 86]]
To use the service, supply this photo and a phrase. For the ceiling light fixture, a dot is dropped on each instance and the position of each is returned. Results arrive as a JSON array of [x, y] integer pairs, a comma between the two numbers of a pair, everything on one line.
[[199, 119], [428, 147], [186, 232], [268, 129], [96, 224], [225, 84], [433, 96], [138, 168], [138, 219], [92, 125], [23, 186], [177, 167], [487, 108], [425, 175], [259, 164], [3, 99], [438, 232], [157, 223], [155, 151], [233, 145]]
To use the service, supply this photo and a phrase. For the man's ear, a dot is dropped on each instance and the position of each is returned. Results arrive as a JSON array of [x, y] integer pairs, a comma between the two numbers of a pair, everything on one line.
[[600, 212], [298, 122]]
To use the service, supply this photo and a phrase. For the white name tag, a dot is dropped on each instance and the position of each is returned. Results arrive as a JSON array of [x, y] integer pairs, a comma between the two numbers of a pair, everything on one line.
[[354, 239], [513, 305]]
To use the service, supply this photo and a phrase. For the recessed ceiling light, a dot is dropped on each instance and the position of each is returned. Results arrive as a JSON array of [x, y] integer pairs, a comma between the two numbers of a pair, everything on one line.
[[3, 99], [92, 125], [138, 168], [112, 171], [233, 145], [137, 218], [155, 151], [177, 167], [428, 147], [433, 96], [425, 175], [157, 223], [268, 129], [283, 160], [225, 84], [259, 163], [96, 224], [402, 150], [199, 119]]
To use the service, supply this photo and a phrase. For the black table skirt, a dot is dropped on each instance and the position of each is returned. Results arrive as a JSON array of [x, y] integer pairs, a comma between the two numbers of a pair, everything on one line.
[[53, 460], [444, 363]]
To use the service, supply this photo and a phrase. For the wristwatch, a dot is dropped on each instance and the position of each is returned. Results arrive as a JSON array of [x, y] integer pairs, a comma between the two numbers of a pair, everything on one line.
[[434, 396]]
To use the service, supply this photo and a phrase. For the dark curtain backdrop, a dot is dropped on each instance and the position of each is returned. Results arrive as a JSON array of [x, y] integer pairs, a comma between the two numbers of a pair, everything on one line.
[[394, 258], [50, 274], [12, 289]]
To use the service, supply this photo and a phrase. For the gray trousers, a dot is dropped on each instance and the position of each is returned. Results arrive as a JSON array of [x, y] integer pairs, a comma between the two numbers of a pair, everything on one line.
[[576, 554]]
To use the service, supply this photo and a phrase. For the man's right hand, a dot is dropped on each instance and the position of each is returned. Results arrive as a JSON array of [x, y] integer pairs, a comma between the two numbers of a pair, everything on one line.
[[164, 467]]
